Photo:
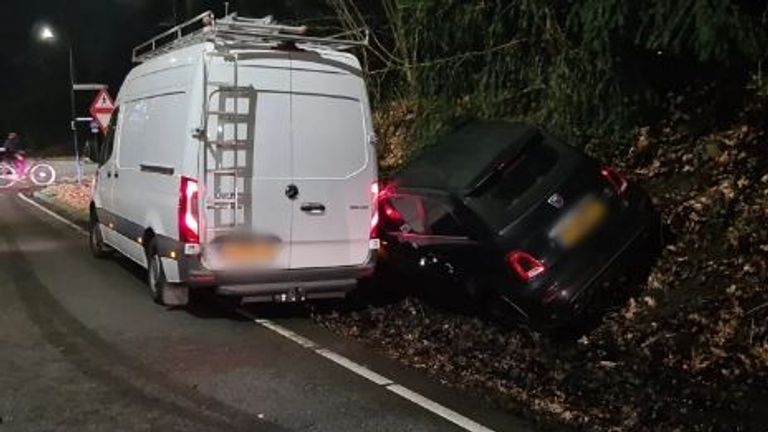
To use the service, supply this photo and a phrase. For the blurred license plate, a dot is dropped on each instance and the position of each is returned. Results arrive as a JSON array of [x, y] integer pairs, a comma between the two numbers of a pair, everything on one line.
[[581, 222], [251, 252]]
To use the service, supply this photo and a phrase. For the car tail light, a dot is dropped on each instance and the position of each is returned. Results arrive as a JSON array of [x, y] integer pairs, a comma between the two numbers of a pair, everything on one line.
[[384, 211], [525, 265], [617, 181], [189, 211], [391, 212]]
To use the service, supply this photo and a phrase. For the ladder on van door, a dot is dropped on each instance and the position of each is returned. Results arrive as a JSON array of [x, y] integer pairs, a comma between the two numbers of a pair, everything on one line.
[[230, 113]]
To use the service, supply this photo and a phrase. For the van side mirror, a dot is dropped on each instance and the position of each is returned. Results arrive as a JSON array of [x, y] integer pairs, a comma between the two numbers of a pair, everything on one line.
[[88, 150], [93, 151]]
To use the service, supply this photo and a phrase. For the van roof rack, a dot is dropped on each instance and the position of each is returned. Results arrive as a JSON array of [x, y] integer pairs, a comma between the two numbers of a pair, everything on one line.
[[234, 32]]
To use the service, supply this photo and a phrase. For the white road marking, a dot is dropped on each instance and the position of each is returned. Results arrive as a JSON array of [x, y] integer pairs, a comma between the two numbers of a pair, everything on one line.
[[354, 367], [306, 343], [410, 395], [53, 214], [448, 414]]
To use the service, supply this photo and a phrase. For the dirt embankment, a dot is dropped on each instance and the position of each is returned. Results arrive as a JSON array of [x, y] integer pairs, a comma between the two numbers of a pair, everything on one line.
[[689, 353]]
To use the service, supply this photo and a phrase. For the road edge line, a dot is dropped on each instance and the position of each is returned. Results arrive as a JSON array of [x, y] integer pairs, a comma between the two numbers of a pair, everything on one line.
[[411, 396], [52, 214]]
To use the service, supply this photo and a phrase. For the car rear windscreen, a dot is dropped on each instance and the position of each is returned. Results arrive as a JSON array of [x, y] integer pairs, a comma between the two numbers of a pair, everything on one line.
[[456, 161], [500, 169], [517, 185]]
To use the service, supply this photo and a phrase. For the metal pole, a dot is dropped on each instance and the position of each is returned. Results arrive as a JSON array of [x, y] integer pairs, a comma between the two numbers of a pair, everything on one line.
[[74, 114]]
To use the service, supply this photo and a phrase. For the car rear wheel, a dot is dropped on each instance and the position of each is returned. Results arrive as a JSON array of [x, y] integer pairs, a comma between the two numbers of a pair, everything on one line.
[[505, 311]]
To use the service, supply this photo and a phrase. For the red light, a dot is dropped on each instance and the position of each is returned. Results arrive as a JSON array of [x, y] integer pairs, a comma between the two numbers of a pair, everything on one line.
[[391, 213], [382, 207], [525, 265], [617, 181], [189, 212], [375, 192]]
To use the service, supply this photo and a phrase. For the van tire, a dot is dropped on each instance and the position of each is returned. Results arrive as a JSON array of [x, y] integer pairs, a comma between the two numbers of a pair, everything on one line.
[[162, 292], [155, 274], [99, 249]]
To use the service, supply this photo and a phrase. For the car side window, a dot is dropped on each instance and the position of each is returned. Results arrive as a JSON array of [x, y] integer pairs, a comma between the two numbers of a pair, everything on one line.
[[427, 216], [442, 221], [109, 141], [410, 209]]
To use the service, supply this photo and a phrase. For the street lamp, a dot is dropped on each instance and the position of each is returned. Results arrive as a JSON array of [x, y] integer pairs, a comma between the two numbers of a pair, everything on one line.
[[49, 36], [46, 34]]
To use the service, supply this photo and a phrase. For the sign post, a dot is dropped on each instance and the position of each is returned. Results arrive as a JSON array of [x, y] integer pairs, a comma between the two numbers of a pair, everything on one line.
[[103, 105]]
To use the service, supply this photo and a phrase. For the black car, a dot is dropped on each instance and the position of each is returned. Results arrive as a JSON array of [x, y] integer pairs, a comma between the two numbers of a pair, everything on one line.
[[518, 218]]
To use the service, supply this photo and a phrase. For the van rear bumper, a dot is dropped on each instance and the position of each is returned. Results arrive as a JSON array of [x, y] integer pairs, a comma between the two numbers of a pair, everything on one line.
[[283, 285], [289, 291]]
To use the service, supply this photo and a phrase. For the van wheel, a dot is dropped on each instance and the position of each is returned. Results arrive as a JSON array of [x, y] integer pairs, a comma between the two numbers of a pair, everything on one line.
[[96, 242], [162, 292], [155, 274]]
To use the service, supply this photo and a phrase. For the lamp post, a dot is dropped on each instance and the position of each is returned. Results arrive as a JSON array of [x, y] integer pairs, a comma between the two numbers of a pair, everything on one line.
[[47, 35]]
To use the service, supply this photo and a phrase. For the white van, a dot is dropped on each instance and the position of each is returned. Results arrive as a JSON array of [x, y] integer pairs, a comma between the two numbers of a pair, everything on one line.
[[241, 158]]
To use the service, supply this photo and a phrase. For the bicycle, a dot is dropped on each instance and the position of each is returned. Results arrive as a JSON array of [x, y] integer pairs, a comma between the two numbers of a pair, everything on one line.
[[40, 173]]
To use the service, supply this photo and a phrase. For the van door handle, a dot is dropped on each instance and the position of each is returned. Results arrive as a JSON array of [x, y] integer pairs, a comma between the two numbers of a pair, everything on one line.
[[315, 209]]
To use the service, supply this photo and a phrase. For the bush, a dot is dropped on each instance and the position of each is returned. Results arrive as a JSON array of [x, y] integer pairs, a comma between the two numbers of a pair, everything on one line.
[[591, 70]]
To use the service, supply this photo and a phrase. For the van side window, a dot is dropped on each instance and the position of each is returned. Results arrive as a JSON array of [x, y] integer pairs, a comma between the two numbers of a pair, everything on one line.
[[427, 216], [153, 131], [109, 141]]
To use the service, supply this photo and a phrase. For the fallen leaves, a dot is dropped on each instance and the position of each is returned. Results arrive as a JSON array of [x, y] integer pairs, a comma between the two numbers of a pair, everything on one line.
[[689, 353], [72, 196]]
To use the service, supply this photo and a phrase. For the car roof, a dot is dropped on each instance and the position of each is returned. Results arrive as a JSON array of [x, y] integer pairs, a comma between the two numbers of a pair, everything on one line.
[[457, 159]]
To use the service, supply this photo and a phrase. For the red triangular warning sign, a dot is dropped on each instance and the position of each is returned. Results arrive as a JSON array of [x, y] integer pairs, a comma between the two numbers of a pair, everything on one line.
[[101, 110]]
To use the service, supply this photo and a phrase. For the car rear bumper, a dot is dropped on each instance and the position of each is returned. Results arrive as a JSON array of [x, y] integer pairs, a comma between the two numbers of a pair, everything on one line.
[[589, 280], [629, 265], [281, 285]]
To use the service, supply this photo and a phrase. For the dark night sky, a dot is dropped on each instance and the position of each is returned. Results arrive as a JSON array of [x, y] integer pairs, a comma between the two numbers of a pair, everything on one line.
[[34, 98]]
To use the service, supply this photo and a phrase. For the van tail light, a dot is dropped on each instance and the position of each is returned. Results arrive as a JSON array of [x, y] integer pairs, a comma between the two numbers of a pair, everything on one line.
[[617, 181], [189, 211], [375, 218], [525, 265]]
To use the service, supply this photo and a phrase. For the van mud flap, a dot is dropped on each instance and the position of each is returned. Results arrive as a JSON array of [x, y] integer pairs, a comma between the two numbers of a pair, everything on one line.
[[175, 295]]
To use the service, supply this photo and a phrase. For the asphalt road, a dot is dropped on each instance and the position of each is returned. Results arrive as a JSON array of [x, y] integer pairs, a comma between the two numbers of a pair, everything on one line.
[[83, 348]]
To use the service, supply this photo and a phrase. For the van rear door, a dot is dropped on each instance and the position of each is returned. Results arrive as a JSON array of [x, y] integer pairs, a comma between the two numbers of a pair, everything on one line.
[[267, 211], [333, 164]]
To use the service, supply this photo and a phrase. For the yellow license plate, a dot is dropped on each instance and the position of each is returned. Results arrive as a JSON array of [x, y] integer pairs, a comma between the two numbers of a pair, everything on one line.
[[582, 222], [252, 252]]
